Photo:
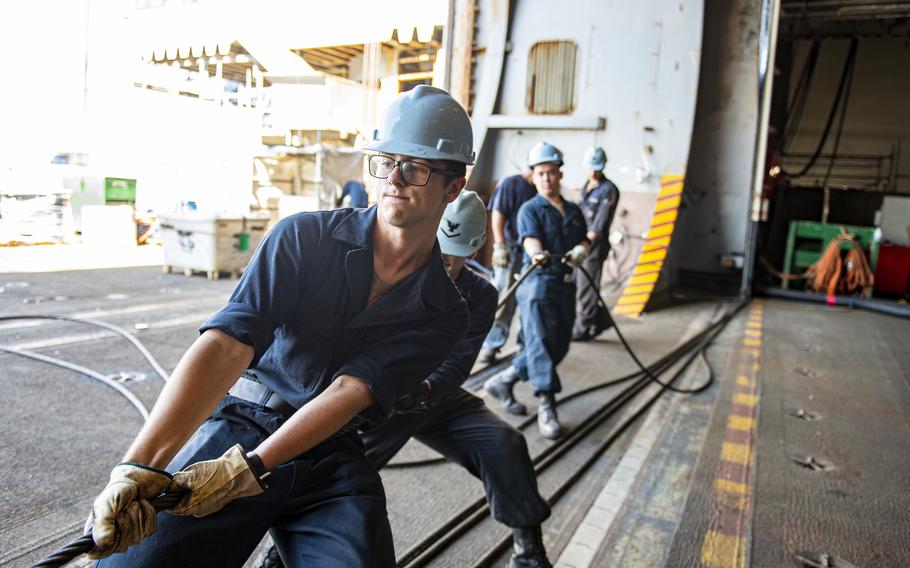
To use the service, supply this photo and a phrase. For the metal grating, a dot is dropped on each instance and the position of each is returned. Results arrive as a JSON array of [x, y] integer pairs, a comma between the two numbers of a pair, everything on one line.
[[551, 77]]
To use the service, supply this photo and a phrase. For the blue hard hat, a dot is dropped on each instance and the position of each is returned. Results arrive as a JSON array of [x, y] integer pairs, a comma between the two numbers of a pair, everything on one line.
[[595, 158], [428, 123], [543, 153]]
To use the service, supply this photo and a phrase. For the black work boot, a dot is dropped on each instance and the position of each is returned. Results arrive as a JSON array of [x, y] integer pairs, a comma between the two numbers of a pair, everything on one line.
[[547, 421], [500, 386], [487, 356], [528, 550]]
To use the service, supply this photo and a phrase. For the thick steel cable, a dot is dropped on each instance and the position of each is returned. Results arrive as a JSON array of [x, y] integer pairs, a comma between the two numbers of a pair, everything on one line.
[[85, 543], [85, 371], [478, 510], [109, 326], [428, 548]]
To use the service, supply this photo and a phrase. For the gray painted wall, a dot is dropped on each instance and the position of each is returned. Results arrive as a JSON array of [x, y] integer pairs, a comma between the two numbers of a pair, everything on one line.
[[713, 217]]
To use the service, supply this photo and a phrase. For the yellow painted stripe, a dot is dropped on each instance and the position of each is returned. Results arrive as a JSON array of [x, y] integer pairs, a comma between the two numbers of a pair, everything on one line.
[[665, 241], [740, 423], [643, 279], [753, 324], [734, 487], [653, 256], [736, 453], [669, 182], [745, 399], [649, 248], [645, 267], [665, 217], [723, 551], [660, 231], [629, 311], [744, 381], [642, 289], [751, 341], [667, 203], [633, 299]]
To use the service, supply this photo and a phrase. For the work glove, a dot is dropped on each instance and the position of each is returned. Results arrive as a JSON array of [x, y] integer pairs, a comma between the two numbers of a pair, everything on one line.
[[541, 258], [418, 400], [500, 255], [577, 255], [122, 514], [212, 484]]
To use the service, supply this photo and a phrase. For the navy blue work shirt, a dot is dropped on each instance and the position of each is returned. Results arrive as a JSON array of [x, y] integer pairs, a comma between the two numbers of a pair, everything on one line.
[[482, 298], [511, 193], [558, 232], [598, 203], [302, 305], [356, 194]]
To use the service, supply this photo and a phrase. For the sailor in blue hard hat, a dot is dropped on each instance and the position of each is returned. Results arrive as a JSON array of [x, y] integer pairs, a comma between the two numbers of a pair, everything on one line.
[[338, 315], [598, 200], [552, 234]]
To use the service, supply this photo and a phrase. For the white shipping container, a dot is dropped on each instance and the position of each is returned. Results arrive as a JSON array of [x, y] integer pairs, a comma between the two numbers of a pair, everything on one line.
[[210, 243]]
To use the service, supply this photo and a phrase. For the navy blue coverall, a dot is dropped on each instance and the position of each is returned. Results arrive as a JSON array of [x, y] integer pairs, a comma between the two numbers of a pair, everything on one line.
[[547, 296], [459, 426], [511, 193], [598, 204], [302, 304]]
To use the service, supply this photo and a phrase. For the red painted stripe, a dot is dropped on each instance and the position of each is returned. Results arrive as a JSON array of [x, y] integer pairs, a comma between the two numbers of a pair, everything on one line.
[[739, 437], [746, 390], [741, 410], [733, 472], [672, 181], [728, 520]]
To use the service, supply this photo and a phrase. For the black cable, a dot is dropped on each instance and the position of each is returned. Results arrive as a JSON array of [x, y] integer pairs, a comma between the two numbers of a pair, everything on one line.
[[420, 553], [843, 114], [851, 54], [625, 343], [85, 543], [794, 113]]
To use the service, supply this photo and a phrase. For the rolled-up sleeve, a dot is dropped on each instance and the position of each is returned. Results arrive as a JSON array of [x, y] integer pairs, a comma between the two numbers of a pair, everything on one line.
[[529, 225], [269, 290], [394, 365]]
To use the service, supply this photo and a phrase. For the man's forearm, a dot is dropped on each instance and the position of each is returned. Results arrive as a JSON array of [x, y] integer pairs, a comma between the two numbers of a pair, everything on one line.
[[498, 224], [532, 246], [345, 398], [204, 375]]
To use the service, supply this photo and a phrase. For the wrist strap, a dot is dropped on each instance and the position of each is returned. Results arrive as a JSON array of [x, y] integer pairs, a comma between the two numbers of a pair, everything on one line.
[[256, 465]]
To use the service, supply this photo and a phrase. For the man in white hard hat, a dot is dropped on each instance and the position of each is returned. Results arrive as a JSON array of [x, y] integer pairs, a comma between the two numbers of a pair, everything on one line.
[[598, 200], [552, 232], [337, 316]]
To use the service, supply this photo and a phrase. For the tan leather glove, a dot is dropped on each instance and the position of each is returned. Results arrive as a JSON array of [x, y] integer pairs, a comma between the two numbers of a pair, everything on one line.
[[212, 484], [500, 255], [122, 514], [540, 259], [577, 255]]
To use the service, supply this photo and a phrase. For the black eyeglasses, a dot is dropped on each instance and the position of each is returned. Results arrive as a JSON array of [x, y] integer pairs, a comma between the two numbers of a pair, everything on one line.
[[413, 173]]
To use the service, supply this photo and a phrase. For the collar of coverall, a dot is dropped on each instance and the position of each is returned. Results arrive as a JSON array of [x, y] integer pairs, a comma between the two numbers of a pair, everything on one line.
[[435, 287]]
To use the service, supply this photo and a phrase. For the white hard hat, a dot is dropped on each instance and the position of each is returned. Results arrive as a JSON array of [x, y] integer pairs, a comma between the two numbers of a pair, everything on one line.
[[463, 228], [543, 153], [425, 122]]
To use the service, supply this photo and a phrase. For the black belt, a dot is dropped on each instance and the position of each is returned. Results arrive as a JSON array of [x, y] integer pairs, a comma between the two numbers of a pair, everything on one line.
[[253, 391], [257, 393]]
